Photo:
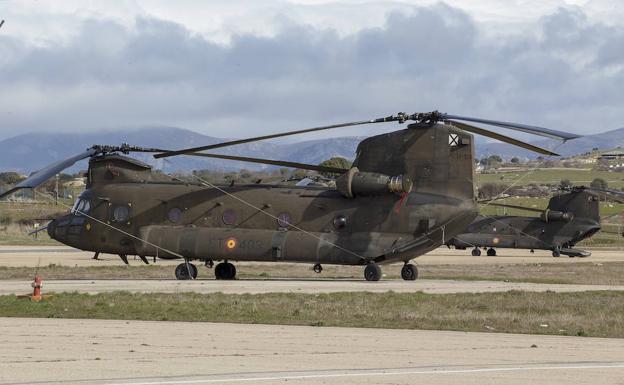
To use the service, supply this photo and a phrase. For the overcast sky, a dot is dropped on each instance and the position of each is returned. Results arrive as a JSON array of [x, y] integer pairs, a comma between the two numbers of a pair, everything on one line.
[[238, 68]]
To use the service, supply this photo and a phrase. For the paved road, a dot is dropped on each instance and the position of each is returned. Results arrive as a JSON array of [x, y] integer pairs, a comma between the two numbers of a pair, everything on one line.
[[291, 286], [66, 256], [60, 351]]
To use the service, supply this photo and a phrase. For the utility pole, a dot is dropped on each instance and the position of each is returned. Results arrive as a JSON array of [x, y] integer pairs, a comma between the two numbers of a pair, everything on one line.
[[56, 190]]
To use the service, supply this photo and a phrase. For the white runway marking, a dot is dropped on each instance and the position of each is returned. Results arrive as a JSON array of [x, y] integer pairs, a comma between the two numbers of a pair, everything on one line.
[[388, 372]]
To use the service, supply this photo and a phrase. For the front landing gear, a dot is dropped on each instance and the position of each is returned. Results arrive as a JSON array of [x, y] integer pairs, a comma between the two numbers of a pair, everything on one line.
[[409, 272], [491, 252], [372, 272], [186, 271], [225, 270]]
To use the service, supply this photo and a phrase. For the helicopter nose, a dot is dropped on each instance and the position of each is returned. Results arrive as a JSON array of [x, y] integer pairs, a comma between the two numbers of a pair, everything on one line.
[[51, 228]]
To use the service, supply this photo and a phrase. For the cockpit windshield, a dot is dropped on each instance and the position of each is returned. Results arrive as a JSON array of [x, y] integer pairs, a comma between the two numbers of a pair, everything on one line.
[[81, 206]]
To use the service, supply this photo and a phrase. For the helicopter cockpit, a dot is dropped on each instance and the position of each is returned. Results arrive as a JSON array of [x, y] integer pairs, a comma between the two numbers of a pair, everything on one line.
[[81, 206]]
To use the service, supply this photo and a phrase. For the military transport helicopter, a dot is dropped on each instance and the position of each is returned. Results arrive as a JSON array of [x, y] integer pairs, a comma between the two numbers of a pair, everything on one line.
[[569, 218], [407, 193]]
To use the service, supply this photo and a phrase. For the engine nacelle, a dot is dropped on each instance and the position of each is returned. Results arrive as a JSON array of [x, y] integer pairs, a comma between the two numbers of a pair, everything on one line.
[[354, 182], [556, 216]]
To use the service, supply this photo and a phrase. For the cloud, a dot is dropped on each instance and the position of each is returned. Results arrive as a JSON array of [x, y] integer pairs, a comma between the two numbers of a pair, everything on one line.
[[565, 74]]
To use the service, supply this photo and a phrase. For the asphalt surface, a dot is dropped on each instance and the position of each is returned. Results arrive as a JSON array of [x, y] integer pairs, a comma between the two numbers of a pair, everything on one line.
[[67, 256], [255, 286], [62, 351]]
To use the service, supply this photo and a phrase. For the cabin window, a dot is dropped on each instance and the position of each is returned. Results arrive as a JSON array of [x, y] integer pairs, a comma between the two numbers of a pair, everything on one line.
[[229, 217], [121, 213], [284, 220], [174, 215]]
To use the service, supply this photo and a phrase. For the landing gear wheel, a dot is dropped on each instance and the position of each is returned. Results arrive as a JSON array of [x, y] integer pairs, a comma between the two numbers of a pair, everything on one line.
[[556, 253], [372, 272], [491, 252], [182, 271], [225, 270], [317, 268], [409, 272], [476, 252]]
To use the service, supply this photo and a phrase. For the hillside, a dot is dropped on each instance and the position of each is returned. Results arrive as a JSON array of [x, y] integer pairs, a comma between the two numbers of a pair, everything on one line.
[[28, 152]]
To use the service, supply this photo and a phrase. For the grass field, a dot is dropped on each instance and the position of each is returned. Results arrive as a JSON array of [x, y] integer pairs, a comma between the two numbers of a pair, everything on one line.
[[553, 176], [611, 273], [598, 314]]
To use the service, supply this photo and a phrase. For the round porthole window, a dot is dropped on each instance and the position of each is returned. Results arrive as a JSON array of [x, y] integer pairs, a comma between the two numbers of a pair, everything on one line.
[[174, 215], [229, 217], [121, 213], [284, 220], [340, 222]]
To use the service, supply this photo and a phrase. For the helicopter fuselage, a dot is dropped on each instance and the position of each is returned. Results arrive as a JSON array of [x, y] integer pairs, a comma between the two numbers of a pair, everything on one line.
[[259, 223]]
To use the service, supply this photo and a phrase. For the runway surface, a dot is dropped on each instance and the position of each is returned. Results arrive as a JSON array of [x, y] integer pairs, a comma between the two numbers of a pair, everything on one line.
[[61, 351], [291, 286], [67, 256]]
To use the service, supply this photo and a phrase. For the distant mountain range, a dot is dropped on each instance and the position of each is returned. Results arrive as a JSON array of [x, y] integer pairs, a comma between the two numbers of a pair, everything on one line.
[[29, 152]]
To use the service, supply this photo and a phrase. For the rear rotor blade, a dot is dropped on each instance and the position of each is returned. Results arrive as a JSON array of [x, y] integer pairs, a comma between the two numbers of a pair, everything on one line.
[[502, 138], [272, 136], [47, 172], [303, 166], [532, 209], [536, 130]]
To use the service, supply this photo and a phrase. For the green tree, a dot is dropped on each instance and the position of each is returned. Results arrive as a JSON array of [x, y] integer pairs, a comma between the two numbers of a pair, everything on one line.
[[336, 161], [599, 183], [10, 178]]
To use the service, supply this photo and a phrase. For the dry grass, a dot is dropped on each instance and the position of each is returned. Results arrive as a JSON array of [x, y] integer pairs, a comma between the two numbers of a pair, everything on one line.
[[608, 273], [599, 314]]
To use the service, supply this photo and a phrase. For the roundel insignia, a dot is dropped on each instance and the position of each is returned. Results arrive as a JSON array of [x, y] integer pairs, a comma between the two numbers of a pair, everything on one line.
[[231, 243], [495, 240]]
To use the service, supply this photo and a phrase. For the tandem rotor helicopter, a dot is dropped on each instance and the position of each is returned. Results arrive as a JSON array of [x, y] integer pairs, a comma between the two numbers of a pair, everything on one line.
[[408, 192]]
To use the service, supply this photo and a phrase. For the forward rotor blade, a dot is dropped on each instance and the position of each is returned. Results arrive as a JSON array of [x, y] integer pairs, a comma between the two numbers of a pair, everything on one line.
[[536, 130], [502, 138], [284, 163], [47, 172], [257, 138]]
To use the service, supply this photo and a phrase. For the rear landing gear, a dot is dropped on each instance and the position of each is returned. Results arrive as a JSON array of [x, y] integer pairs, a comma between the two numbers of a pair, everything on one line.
[[225, 270], [372, 272], [409, 272], [183, 271], [556, 253], [476, 252], [317, 268], [491, 252]]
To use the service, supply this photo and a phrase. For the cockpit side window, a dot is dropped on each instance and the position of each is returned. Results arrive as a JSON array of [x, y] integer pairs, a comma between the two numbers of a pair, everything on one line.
[[81, 206]]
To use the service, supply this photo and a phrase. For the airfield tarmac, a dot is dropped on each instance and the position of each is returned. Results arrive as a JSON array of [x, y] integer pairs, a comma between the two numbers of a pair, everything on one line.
[[65, 351], [98, 352], [67, 256]]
